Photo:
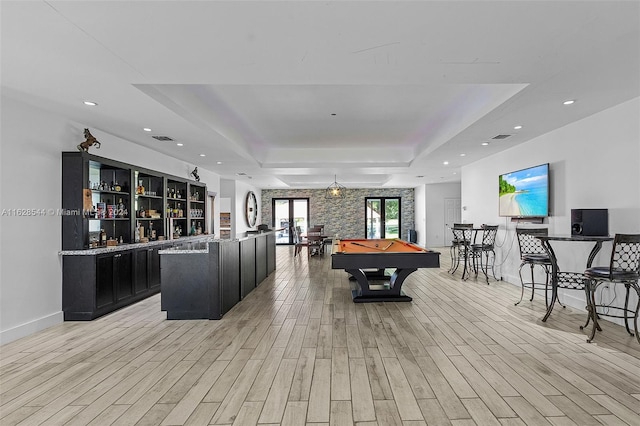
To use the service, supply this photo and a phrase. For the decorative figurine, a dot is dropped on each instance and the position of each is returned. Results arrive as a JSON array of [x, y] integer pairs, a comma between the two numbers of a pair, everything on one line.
[[194, 173], [90, 140]]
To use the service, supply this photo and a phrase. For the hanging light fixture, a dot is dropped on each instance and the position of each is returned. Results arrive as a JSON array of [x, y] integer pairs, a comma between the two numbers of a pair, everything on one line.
[[335, 190]]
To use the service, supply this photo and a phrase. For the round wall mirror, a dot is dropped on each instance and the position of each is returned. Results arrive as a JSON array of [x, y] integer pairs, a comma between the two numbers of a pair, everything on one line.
[[251, 209]]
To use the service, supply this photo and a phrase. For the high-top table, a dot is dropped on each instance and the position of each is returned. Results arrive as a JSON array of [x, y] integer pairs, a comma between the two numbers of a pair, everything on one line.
[[569, 280]]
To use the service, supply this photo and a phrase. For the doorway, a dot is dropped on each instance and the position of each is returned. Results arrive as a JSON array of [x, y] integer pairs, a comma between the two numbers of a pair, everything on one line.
[[382, 217], [287, 213], [452, 214]]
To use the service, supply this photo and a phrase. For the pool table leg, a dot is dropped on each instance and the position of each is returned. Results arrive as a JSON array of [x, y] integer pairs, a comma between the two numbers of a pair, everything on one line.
[[393, 294]]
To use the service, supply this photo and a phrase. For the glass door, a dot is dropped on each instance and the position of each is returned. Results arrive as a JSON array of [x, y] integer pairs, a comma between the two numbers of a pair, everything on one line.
[[287, 213], [382, 217]]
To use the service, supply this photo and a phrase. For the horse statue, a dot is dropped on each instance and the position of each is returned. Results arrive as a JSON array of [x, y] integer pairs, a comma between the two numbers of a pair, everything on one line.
[[90, 140], [194, 173]]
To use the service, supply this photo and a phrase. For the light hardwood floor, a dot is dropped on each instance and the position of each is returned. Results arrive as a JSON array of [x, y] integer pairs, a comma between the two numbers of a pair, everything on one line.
[[298, 351]]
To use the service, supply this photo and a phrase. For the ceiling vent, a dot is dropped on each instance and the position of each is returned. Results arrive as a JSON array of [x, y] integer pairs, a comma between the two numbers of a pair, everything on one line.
[[162, 138], [500, 137]]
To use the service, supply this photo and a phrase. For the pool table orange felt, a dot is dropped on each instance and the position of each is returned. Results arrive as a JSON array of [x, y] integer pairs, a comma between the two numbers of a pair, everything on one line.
[[356, 255], [376, 246]]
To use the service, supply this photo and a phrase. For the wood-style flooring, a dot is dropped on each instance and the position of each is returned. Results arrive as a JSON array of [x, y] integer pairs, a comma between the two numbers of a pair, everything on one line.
[[298, 351]]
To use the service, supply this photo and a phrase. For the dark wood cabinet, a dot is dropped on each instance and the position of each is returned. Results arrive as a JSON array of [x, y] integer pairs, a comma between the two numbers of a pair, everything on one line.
[[141, 270], [146, 269], [114, 282], [94, 285], [105, 292], [153, 258], [128, 203], [125, 201]]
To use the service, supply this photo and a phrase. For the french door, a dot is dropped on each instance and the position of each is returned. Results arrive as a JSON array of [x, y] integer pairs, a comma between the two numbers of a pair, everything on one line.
[[287, 213], [382, 217]]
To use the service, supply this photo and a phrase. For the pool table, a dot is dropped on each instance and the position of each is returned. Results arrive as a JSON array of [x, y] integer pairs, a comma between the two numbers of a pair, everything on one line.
[[356, 255]]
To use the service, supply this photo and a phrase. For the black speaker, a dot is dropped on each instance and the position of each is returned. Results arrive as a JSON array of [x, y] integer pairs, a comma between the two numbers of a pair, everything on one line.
[[590, 222]]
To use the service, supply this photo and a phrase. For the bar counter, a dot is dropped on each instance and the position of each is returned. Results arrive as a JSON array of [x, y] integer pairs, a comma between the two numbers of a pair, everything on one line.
[[205, 280]]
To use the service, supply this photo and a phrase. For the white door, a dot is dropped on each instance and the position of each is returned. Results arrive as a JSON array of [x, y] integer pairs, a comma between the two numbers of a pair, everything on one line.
[[452, 214]]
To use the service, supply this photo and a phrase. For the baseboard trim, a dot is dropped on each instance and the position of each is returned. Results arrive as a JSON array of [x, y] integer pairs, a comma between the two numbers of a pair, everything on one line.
[[31, 327]]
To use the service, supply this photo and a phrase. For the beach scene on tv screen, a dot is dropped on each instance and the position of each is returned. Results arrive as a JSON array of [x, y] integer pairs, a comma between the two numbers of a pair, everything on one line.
[[525, 192]]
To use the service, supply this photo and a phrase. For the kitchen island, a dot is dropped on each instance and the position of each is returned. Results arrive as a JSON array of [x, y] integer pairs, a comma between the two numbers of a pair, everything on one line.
[[208, 279]]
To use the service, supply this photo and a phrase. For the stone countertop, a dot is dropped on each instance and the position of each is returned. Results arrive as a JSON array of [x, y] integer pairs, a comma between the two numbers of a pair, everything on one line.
[[196, 247], [134, 246], [252, 234]]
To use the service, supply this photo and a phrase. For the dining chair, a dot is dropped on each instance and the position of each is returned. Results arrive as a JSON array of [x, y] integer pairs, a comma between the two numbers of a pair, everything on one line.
[[299, 242], [623, 269], [315, 240], [533, 254]]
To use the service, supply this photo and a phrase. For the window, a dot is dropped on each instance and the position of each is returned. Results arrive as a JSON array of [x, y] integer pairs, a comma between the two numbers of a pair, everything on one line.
[[288, 212], [382, 217]]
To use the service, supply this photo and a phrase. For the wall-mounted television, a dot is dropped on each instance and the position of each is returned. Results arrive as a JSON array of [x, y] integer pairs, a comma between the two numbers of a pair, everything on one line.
[[525, 193]]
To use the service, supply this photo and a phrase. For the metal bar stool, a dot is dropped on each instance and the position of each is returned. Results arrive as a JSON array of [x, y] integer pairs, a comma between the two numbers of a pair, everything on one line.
[[624, 268], [461, 241], [532, 253]]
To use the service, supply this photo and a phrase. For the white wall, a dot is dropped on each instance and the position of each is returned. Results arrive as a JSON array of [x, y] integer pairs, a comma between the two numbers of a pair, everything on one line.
[[235, 193], [430, 212], [30, 178], [436, 195], [594, 163], [241, 190]]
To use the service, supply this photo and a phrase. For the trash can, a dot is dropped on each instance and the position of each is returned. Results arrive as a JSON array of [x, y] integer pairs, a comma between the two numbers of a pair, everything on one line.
[[412, 236]]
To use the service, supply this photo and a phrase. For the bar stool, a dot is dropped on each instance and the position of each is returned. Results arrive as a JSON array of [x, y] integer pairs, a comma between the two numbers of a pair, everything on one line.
[[461, 240], [624, 268], [532, 253], [485, 250]]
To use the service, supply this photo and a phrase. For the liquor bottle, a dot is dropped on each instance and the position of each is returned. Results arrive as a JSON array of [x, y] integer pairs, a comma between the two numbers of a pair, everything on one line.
[[178, 193], [120, 212], [140, 188], [199, 229], [193, 229], [180, 211], [137, 234], [103, 238], [151, 231]]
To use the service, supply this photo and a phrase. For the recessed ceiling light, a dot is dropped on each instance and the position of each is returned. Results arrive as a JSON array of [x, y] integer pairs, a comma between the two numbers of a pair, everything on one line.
[[180, 144], [218, 162], [455, 173], [569, 102], [146, 129], [445, 162], [202, 155], [420, 176], [517, 127], [485, 143], [462, 155], [90, 103]]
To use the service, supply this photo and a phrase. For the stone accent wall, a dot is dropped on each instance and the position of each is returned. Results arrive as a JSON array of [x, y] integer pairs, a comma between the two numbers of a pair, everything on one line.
[[344, 217]]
